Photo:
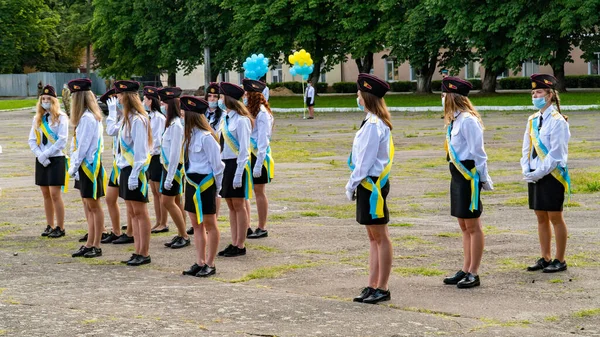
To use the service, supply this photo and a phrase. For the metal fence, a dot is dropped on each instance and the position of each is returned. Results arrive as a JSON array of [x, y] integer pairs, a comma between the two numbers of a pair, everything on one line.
[[21, 85]]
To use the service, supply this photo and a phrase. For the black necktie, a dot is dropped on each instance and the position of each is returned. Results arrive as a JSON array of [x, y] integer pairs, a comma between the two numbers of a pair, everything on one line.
[[363, 123], [44, 139], [186, 159], [222, 140], [534, 154]]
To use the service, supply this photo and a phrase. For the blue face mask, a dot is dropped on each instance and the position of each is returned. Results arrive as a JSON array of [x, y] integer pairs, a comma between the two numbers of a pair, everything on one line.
[[539, 102], [360, 107], [245, 100], [146, 108], [119, 106], [221, 105], [212, 105], [163, 109]]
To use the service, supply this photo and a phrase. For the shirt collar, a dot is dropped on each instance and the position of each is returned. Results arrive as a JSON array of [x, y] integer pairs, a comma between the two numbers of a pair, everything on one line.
[[547, 112], [231, 113]]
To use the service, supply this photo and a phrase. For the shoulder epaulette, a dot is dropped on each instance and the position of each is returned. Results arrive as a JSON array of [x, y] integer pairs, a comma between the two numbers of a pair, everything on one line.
[[535, 115]]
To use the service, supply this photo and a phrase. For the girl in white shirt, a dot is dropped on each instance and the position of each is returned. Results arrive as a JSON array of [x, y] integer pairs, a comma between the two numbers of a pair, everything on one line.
[[47, 140], [544, 166], [261, 159], [371, 161], [203, 174], [135, 140], [86, 161], [468, 167]]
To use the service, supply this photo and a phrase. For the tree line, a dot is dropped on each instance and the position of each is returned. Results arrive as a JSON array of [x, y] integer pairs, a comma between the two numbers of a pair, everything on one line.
[[164, 36]]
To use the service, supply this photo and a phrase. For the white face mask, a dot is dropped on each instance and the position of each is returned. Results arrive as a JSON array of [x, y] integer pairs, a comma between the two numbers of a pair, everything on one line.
[[46, 106]]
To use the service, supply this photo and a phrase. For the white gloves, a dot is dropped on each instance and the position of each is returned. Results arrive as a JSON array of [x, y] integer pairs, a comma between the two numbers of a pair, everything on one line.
[[257, 171], [112, 105], [528, 177], [350, 195], [488, 185], [237, 181], [72, 171], [168, 185], [42, 158], [76, 175], [46, 163], [132, 182]]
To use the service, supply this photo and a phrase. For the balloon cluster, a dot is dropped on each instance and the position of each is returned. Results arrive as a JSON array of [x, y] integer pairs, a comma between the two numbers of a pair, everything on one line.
[[256, 66], [302, 64]]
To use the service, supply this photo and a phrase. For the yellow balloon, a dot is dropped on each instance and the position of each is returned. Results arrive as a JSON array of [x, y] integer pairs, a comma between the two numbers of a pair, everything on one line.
[[310, 62], [291, 59]]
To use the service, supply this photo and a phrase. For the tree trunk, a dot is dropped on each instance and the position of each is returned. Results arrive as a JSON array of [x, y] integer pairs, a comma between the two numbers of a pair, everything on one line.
[[488, 85], [424, 75], [172, 80], [88, 62], [214, 72], [316, 74], [365, 64], [561, 54], [559, 73]]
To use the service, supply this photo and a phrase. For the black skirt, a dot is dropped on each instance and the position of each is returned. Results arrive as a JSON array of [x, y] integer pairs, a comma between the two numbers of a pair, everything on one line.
[[51, 175], [460, 193], [113, 180], [308, 103], [208, 197], [155, 168], [264, 176], [125, 193], [363, 205], [227, 190], [547, 194], [176, 189], [86, 186]]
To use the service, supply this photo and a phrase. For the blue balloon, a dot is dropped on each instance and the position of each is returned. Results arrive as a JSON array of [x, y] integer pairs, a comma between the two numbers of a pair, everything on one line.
[[305, 77], [293, 71]]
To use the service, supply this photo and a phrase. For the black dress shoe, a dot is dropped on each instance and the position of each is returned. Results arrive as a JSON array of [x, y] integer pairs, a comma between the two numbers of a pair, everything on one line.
[[180, 243], [366, 292], [123, 239], [94, 252], [173, 240], [124, 227], [56, 233], [377, 296], [235, 251], [258, 233], [190, 231], [226, 250], [456, 278], [133, 256], [206, 271], [81, 252], [194, 269], [139, 260], [110, 238], [469, 281], [555, 266], [83, 238], [164, 230], [249, 232], [47, 231], [539, 265]]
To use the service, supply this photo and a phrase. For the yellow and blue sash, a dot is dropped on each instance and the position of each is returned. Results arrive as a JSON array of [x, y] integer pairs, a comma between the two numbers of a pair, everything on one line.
[[207, 182], [472, 175], [92, 170], [235, 147], [127, 153], [53, 137], [116, 171], [376, 199], [560, 173], [178, 175], [268, 163]]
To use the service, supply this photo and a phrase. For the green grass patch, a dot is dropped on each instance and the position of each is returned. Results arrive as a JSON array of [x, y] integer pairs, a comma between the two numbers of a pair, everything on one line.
[[518, 201], [572, 204], [17, 103], [551, 318], [584, 259], [296, 199], [556, 280], [263, 248], [587, 313], [492, 230], [435, 194], [343, 211], [449, 235], [509, 264], [309, 213], [584, 181], [272, 272], [403, 224], [411, 240], [279, 216], [417, 271]]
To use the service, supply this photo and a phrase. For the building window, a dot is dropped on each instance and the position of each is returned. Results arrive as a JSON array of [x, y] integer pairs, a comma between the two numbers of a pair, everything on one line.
[[472, 70], [241, 77], [391, 71], [323, 77], [277, 74], [530, 67], [505, 73], [413, 74], [224, 77], [594, 65]]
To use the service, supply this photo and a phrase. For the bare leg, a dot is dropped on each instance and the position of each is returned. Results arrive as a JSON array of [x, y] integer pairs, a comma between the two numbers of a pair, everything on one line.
[[210, 227], [262, 204], [232, 222], [168, 203], [112, 195], [386, 254], [544, 234], [96, 218], [373, 260], [477, 243], [248, 212], [143, 226], [560, 233], [466, 241], [199, 239], [48, 205], [161, 219], [241, 215], [133, 226], [58, 206]]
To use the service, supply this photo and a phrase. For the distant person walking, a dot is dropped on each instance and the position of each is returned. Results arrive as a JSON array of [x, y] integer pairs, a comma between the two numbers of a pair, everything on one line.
[[309, 96]]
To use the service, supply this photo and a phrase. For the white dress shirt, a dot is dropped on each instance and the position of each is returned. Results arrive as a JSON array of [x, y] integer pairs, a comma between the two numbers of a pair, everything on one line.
[[157, 124], [113, 125], [310, 93], [204, 156], [370, 151], [240, 127], [466, 138], [88, 132], [60, 128], [172, 141], [555, 135], [266, 93], [261, 134], [137, 139], [211, 116]]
